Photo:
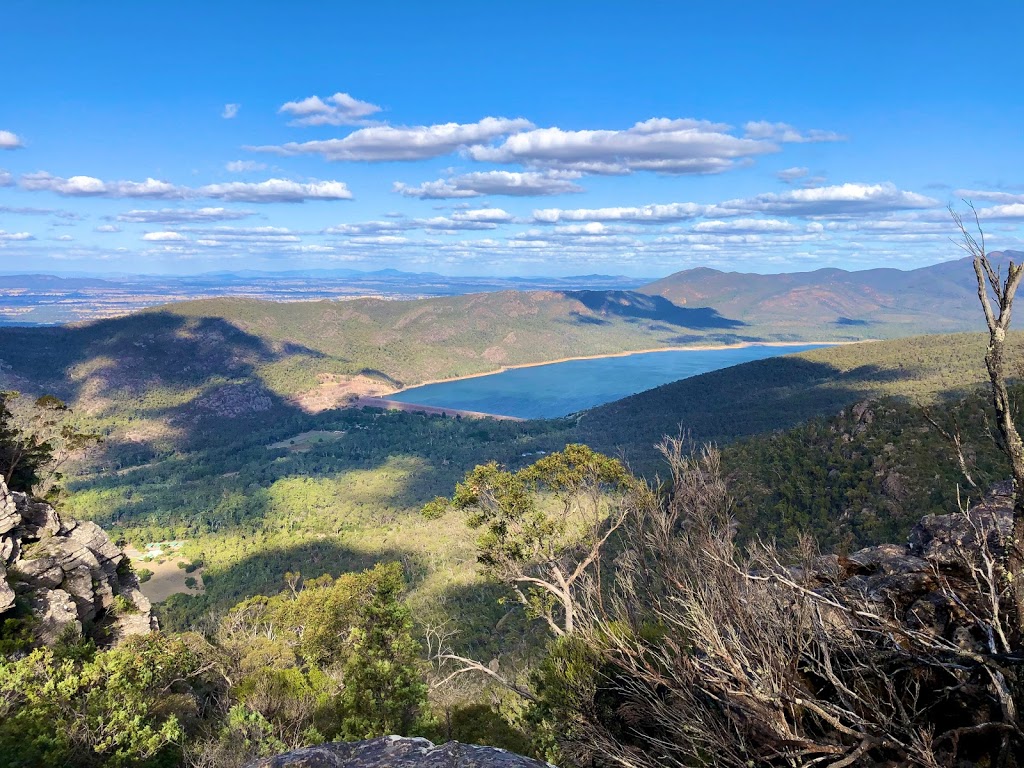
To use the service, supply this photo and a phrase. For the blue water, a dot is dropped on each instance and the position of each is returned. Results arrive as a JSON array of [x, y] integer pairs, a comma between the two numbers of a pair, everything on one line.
[[557, 389]]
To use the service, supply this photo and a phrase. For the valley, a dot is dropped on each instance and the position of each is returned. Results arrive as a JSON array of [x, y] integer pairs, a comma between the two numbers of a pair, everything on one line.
[[269, 439], [564, 385]]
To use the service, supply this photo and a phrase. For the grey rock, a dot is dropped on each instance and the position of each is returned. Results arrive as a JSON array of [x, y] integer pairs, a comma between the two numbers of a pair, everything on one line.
[[38, 518], [55, 612], [70, 568], [10, 548], [78, 584], [398, 752], [40, 569], [9, 517], [946, 540], [95, 539], [6, 593]]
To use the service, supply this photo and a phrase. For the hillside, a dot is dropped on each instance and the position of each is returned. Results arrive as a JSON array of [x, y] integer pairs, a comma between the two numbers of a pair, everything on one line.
[[253, 491], [286, 345], [873, 303], [781, 392]]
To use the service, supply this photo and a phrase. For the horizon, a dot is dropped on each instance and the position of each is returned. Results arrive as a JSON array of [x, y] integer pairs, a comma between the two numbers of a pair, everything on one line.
[[113, 275], [595, 142]]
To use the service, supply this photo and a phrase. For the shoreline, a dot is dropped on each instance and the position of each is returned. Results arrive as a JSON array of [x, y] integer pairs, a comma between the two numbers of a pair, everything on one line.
[[697, 348]]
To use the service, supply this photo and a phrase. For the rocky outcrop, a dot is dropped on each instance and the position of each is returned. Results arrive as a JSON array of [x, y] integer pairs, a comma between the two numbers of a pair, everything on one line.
[[68, 573], [927, 583], [398, 752]]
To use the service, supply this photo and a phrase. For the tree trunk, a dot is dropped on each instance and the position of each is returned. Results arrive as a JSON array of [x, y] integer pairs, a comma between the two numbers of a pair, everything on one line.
[[1014, 448]]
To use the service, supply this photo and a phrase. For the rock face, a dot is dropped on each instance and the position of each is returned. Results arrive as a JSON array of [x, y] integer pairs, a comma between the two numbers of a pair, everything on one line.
[[69, 574], [914, 581], [398, 752]]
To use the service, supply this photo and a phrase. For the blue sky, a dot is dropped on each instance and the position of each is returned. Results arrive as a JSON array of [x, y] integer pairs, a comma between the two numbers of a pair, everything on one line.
[[504, 138]]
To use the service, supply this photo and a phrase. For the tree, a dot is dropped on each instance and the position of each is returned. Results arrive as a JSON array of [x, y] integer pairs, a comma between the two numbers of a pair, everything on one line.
[[36, 440], [122, 707], [701, 653], [545, 527], [998, 321], [545, 531]]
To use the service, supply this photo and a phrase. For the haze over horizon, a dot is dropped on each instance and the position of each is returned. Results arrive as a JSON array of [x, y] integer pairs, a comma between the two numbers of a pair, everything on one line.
[[190, 138]]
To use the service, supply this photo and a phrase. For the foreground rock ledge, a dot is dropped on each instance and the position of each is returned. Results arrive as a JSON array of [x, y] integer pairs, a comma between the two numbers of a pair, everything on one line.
[[398, 752]]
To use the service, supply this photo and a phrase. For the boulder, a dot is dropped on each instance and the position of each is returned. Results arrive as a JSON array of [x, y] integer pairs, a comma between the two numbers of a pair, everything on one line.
[[55, 612], [6, 593], [9, 517], [38, 519], [398, 752], [69, 570]]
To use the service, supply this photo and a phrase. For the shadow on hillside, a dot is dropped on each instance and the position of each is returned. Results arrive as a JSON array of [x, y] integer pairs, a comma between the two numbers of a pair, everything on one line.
[[633, 306], [721, 406], [200, 374], [263, 573], [130, 354]]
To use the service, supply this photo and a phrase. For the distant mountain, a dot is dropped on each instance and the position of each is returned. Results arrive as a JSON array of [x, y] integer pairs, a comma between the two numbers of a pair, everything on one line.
[[27, 299], [50, 282], [874, 302]]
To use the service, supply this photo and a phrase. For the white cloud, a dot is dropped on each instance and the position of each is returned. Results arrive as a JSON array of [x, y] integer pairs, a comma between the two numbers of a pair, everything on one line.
[[789, 175], [6, 180], [490, 215], [269, 191], [508, 183], [241, 166], [277, 191], [160, 237], [662, 145], [744, 226], [10, 140], [990, 196], [839, 200], [230, 111], [762, 129], [370, 227], [64, 238], [180, 215], [339, 109], [16, 235], [476, 219], [246, 237], [646, 214], [1009, 211], [385, 142], [88, 186], [107, 228]]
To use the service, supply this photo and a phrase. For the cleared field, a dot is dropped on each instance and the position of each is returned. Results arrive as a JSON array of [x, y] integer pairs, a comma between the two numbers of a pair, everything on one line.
[[304, 440], [167, 579]]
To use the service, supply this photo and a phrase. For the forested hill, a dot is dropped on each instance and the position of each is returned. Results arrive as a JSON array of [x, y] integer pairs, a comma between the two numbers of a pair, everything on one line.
[[874, 303], [781, 392]]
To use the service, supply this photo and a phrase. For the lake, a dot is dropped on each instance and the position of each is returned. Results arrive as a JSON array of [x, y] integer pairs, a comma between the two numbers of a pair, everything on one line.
[[557, 389]]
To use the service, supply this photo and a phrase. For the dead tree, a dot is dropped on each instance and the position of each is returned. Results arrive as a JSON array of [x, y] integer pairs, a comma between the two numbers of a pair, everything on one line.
[[998, 321]]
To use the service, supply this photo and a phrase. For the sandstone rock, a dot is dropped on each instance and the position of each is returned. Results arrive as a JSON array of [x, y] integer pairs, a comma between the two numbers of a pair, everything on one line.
[[6, 593], [398, 752], [70, 571], [945, 539], [38, 518], [9, 516], [54, 611], [95, 539]]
